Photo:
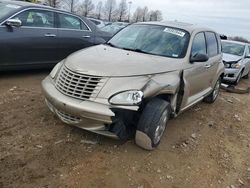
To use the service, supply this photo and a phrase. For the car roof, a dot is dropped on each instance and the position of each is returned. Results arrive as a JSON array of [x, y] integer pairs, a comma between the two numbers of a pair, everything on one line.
[[181, 25], [22, 3], [236, 42], [33, 5]]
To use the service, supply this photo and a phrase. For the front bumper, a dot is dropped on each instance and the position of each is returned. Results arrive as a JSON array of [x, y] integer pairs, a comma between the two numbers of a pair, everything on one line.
[[88, 115], [231, 74]]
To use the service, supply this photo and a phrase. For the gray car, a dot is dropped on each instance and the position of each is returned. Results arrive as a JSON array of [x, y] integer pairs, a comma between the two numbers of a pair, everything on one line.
[[131, 86], [236, 58]]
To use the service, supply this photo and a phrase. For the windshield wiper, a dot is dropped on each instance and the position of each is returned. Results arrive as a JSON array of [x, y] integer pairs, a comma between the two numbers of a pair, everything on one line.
[[111, 44], [137, 50]]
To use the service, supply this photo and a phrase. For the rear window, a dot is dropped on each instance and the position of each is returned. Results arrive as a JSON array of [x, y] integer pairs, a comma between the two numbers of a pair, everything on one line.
[[71, 22], [212, 44]]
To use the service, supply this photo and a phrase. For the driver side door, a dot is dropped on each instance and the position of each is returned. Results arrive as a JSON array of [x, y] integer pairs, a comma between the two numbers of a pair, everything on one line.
[[34, 43]]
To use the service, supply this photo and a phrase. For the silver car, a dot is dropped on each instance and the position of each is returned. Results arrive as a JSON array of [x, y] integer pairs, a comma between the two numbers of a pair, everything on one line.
[[132, 85], [236, 58]]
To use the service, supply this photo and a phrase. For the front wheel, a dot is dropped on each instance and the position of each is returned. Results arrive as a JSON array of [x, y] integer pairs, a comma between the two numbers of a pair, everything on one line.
[[215, 93], [152, 123]]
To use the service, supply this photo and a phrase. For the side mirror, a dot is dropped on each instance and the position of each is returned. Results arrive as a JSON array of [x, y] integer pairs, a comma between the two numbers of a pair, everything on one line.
[[199, 58], [13, 23], [247, 56]]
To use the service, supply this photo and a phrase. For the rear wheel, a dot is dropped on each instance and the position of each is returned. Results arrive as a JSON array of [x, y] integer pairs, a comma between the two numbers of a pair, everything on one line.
[[152, 123], [215, 93]]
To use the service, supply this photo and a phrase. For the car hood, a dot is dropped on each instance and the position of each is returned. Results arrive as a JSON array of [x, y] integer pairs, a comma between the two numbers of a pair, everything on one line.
[[231, 58], [103, 60]]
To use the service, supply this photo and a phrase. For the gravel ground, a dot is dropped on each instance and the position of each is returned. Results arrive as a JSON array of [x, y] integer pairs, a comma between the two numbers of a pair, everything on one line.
[[207, 146]]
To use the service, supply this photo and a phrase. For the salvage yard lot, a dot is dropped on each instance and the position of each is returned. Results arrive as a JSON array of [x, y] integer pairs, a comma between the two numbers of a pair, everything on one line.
[[207, 146]]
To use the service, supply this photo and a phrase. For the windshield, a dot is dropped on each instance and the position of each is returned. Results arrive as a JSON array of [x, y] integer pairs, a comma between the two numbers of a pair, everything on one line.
[[233, 48], [6, 8], [152, 39]]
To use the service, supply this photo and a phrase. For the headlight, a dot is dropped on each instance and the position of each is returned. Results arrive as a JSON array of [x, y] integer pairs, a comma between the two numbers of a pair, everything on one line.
[[236, 65], [56, 69], [127, 98]]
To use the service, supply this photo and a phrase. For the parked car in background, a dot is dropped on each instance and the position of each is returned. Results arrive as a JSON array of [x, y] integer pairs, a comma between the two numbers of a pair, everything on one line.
[[113, 28], [36, 36], [121, 24], [145, 74], [98, 23], [236, 58]]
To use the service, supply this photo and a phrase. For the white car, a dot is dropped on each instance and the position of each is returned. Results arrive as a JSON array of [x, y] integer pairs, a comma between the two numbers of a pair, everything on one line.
[[236, 58]]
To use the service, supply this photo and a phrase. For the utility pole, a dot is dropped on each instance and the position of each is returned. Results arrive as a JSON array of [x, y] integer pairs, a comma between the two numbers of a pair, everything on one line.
[[129, 8]]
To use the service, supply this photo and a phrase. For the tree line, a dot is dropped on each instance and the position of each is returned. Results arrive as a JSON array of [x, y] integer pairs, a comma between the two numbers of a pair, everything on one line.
[[110, 10]]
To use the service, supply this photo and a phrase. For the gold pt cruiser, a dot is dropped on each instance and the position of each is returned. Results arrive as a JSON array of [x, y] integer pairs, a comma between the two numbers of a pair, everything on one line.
[[132, 85]]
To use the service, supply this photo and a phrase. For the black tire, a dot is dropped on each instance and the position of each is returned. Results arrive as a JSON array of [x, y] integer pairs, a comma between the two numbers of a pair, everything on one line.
[[153, 114], [214, 94], [246, 76]]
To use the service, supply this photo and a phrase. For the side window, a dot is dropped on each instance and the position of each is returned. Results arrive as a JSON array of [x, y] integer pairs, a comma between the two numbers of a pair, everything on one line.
[[248, 50], [36, 18], [71, 22], [199, 44], [212, 44], [219, 43]]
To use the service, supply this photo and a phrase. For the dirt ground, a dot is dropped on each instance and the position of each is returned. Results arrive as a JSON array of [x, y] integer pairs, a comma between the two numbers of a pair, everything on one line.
[[207, 146]]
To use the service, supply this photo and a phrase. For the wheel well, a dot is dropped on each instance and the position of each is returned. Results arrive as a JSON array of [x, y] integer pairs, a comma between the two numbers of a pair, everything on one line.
[[166, 97], [243, 70]]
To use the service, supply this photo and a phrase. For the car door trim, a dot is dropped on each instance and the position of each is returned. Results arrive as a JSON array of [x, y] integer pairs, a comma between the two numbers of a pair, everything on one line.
[[54, 11]]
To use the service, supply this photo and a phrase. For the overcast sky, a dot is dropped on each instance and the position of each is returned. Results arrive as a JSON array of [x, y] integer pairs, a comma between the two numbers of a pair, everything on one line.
[[230, 17]]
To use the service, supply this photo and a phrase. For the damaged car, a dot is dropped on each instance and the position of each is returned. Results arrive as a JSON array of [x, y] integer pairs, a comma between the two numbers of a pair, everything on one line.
[[236, 58], [132, 85]]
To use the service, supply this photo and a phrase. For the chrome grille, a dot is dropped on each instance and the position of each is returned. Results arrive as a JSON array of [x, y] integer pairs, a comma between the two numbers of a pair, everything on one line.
[[78, 85]]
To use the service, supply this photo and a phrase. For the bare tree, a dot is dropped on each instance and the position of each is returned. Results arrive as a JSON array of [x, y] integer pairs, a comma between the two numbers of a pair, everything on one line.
[[122, 10], [99, 10], [53, 3], [110, 9], [70, 5], [155, 15], [86, 8], [137, 16], [145, 14]]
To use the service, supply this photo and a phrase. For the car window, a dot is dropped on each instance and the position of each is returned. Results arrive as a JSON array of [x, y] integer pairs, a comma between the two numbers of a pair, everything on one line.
[[212, 44], [219, 43], [199, 44], [71, 22], [233, 48], [153, 39], [36, 18]]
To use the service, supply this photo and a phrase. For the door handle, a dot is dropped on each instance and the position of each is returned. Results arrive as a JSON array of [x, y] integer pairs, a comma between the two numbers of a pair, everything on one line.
[[86, 36], [50, 35], [207, 66]]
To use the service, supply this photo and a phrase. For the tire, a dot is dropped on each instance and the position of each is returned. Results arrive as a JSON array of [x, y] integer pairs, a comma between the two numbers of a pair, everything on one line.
[[153, 121], [214, 94], [246, 76]]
